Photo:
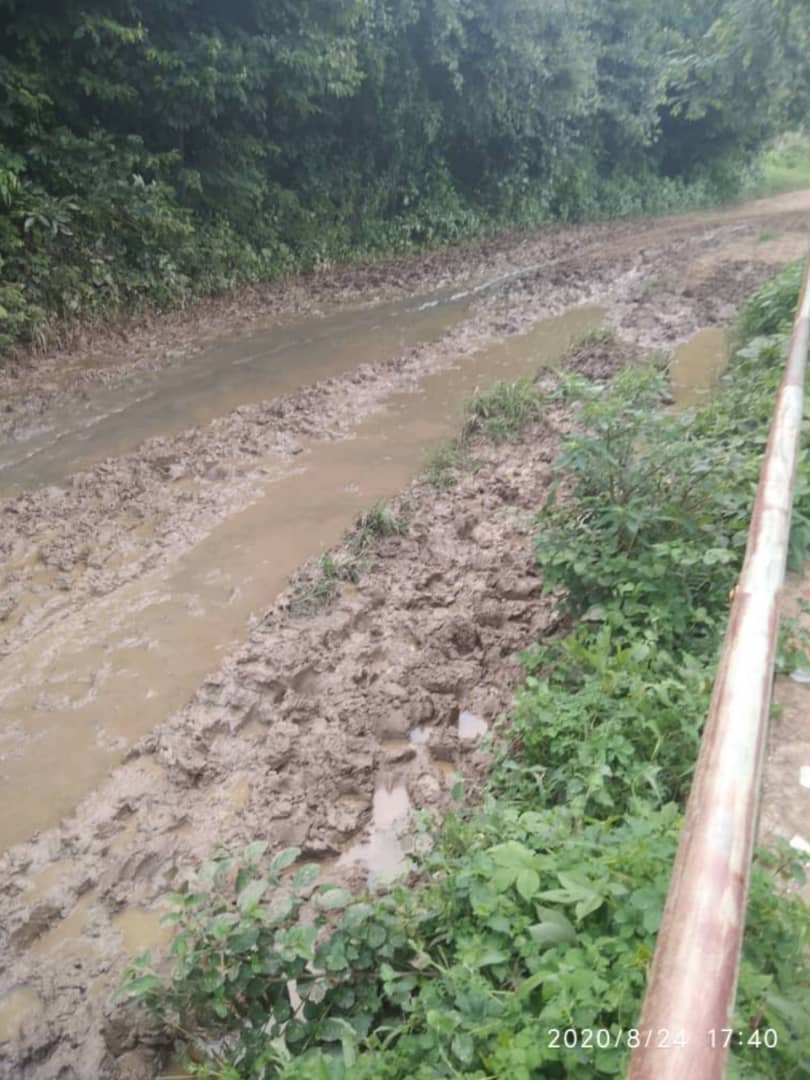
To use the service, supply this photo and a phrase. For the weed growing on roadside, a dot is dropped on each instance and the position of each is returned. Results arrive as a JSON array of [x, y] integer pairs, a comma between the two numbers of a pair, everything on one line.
[[503, 411], [314, 590], [793, 643], [444, 462], [603, 335], [317, 586], [634, 512], [784, 166], [380, 520]]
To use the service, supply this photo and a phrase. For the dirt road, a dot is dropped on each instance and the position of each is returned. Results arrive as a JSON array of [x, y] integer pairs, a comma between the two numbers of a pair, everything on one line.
[[159, 694]]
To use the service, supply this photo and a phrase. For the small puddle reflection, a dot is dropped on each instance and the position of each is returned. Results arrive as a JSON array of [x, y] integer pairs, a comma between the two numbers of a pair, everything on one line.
[[471, 726], [382, 853], [239, 794], [697, 365]]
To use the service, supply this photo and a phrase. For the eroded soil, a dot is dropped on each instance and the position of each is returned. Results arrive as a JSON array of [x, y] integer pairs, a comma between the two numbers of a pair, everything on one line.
[[315, 724]]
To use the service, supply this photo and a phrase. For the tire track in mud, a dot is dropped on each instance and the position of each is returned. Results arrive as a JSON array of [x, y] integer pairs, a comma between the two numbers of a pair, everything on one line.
[[292, 736]]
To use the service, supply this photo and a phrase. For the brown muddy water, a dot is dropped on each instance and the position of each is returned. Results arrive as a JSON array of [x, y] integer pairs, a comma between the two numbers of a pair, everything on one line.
[[198, 388], [697, 365], [75, 697]]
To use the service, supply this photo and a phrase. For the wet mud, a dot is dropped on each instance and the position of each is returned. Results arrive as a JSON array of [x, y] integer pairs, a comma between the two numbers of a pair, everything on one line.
[[143, 592], [76, 700], [316, 729]]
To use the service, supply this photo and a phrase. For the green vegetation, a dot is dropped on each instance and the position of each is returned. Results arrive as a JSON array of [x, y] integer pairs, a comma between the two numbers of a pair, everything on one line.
[[445, 461], [773, 307], [537, 910], [318, 584], [380, 520], [503, 411], [785, 166], [497, 414], [152, 151]]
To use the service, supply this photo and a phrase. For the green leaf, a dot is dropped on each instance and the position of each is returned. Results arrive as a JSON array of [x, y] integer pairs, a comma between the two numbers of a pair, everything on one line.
[[551, 933], [513, 855], [531, 983], [333, 897], [463, 1047], [355, 915], [250, 896], [307, 875], [527, 883], [143, 985], [284, 859]]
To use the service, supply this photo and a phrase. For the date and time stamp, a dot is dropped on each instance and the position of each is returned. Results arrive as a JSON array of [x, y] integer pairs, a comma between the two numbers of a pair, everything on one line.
[[657, 1038]]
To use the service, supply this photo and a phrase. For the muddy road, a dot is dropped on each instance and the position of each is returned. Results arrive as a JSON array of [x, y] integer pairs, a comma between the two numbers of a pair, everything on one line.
[[164, 689]]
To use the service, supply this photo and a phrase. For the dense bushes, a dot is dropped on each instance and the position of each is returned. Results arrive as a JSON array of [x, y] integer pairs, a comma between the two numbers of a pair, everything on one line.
[[151, 150], [538, 910]]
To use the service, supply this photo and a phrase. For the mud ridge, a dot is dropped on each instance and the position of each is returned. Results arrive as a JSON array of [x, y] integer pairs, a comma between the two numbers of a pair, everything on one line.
[[64, 545], [288, 741]]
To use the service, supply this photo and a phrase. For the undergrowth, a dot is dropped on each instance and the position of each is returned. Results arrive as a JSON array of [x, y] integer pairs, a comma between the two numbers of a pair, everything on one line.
[[784, 166], [538, 909]]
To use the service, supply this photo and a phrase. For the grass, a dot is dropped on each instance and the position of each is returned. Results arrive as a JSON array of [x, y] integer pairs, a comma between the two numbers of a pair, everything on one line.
[[783, 167], [604, 335], [380, 520], [318, 583], [445, 461], [502, 412], [497, 414]]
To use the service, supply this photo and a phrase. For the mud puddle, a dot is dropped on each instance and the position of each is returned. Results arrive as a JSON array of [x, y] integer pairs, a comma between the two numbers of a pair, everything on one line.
[[198, 388], [383, 853], [697, 365], [75, 697]]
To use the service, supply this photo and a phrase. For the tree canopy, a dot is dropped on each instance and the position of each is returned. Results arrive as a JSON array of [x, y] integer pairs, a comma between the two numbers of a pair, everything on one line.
[[153, 149]]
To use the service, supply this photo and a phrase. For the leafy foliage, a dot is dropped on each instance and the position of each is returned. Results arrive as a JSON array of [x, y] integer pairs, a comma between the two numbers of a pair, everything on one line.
[[772, 308], [539, 909], [156, 150]]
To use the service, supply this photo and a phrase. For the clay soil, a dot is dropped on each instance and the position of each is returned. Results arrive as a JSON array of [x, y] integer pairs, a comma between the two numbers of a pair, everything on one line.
[[291, 736]]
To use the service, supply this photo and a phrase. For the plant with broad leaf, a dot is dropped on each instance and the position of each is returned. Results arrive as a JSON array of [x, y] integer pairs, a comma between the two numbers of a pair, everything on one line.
[[263, 963]]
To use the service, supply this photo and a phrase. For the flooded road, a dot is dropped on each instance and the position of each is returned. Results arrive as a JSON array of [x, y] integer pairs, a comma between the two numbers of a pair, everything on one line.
[[196, 389], [149, 511], [78, 694]]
